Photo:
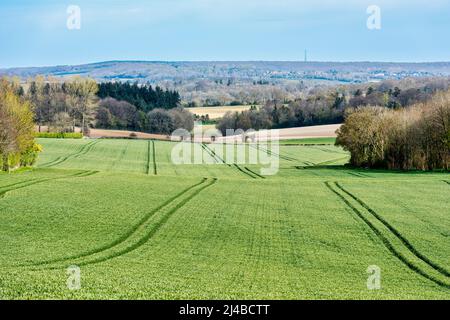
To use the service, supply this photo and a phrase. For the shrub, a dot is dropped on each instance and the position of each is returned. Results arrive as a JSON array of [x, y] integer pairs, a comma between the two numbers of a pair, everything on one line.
[[16, 126], [59, 135], [29, 156]]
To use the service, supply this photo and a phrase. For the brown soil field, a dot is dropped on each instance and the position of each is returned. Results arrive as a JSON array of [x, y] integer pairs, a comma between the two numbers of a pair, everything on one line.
[[99, 133], [325, 131], [216, 112]]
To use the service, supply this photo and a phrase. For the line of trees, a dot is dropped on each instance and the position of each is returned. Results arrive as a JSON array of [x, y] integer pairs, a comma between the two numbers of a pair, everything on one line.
[[412, 138], [329, 107], [17, 145]]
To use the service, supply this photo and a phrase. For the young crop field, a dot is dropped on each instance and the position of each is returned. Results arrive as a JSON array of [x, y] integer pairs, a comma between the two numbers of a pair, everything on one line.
[[139, 226]]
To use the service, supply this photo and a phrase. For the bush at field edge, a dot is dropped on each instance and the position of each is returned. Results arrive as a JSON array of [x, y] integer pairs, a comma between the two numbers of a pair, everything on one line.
[[60, 135]]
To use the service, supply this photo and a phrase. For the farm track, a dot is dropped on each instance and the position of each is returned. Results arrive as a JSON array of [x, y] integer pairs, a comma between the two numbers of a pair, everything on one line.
[[244, 172], [358, 174], [254, 173], [218, 159], [20, 185], [392, 239], [149, 146], [82, 151], [271, 153], [327, 150], [120, 157], [137, 236], [214, 155], [155, 170], [405, 241], [330, 161], [209, 151]]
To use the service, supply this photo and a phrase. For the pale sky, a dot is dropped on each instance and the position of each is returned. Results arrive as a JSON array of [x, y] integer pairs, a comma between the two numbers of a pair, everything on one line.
[[35, 33]]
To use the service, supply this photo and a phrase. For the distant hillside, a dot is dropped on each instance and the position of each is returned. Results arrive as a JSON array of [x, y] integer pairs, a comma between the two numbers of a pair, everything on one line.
[[157, 71]]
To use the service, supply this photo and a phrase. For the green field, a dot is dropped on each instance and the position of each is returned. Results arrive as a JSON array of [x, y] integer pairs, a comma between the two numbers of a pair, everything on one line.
[[312, 141], [141, 227]]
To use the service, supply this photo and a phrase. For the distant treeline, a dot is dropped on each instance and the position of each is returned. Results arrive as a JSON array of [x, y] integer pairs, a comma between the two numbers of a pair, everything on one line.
[[412, 138], [329, 106], [143, 97]]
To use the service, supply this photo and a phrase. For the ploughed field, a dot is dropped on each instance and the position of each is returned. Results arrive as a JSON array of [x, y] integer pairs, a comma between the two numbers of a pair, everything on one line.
[[139, 226]]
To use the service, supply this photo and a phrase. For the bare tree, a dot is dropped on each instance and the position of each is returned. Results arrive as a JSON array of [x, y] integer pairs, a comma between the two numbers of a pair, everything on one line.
[[82, 99]]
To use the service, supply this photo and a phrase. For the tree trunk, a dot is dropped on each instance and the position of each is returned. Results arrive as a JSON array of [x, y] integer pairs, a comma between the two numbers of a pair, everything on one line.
[[5, 165], [83, 125]]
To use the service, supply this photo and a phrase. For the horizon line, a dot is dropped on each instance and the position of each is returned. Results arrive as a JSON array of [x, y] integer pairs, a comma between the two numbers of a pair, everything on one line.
[[223, 61]]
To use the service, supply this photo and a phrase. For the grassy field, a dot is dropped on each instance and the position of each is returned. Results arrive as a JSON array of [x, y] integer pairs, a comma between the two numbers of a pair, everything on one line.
[[318, 141], [139, 226]]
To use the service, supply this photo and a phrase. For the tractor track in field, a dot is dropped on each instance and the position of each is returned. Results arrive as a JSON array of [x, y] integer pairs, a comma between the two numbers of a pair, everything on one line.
[[326, 150], [405, 241], [155, 170], [243, 171], [387, 243], [254, 173], [82, 151], [15, 184], [218, 159], [126, 237], [271, 153], [209, 151], [24, 184], [214, 155], [311, 165], [330, 161], [358, 174], [149, 147], [120, 157]]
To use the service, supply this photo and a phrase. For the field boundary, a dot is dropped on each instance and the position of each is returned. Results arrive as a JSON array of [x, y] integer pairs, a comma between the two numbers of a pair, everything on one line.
[[386, 242]]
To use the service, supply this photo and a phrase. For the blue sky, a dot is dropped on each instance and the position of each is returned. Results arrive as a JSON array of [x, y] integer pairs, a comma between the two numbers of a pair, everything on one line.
[[34, 33]]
